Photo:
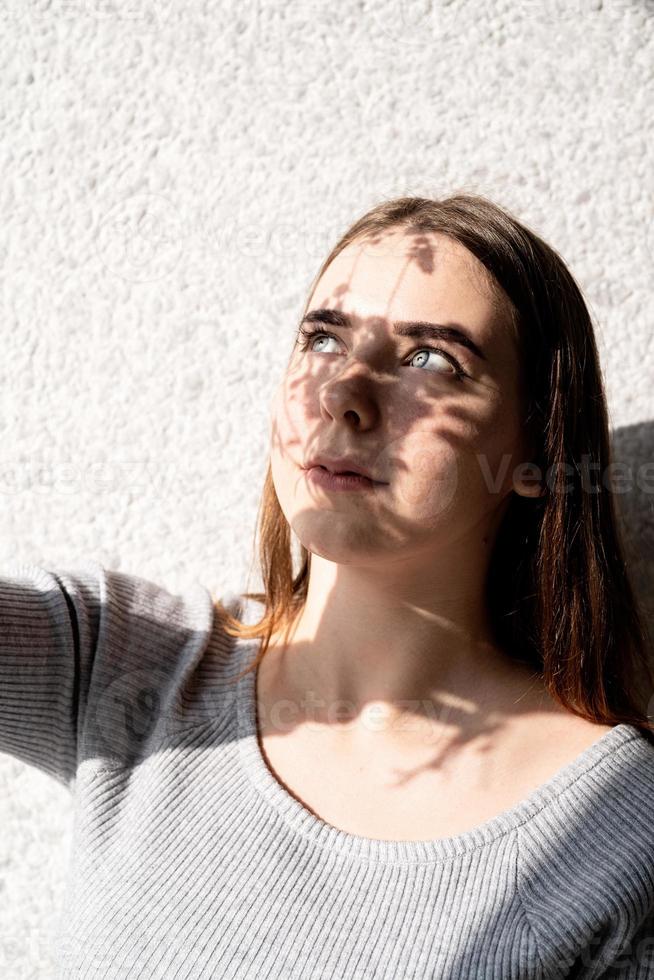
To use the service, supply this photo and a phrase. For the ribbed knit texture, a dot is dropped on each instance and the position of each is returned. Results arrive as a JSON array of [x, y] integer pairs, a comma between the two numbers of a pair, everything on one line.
[[191, 860]]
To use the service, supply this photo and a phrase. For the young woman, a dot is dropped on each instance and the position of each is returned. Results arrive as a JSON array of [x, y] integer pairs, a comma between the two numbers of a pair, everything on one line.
[[429, 754]]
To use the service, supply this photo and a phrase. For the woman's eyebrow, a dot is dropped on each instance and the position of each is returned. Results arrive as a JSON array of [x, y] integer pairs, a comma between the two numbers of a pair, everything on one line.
[[418, 329]]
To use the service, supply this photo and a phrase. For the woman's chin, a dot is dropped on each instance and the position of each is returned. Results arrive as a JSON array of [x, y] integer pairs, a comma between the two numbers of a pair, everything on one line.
[[341, 539]]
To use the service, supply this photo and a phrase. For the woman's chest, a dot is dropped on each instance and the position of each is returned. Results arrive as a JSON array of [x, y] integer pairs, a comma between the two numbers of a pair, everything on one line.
[[186, 871], [441, 790]]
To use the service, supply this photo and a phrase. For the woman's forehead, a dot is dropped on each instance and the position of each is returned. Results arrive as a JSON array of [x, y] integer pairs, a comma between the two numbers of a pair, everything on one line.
[[397, 286], [424, 251]]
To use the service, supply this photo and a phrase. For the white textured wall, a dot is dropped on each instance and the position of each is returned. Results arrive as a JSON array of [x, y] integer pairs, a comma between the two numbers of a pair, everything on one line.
[[172, 175]]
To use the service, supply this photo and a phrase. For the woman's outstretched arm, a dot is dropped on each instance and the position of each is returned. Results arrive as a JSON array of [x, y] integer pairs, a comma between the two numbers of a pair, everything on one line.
[[49, 623]]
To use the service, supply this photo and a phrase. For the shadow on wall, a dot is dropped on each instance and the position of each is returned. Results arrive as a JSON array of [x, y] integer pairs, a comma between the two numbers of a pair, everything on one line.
[[633, 484]]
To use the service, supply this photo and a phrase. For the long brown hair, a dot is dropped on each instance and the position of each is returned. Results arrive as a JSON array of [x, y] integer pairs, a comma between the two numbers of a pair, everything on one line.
[[559, 593]]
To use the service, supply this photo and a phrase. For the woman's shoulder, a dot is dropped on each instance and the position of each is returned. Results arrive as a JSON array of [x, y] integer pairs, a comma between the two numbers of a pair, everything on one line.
[[162, 664], [603, 789]]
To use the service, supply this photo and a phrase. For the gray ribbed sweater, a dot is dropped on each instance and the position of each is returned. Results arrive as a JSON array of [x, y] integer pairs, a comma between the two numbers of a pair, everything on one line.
[[191, 860]]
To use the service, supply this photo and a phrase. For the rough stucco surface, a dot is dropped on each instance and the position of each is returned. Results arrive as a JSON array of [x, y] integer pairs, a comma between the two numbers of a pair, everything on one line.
[[172, 175]]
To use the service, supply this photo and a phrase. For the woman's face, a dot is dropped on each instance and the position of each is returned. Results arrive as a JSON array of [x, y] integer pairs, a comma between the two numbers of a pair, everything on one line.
[[443, 448]]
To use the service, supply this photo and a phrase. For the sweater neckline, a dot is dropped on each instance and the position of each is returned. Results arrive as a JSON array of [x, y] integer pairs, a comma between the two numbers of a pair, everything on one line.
[[378, 851]]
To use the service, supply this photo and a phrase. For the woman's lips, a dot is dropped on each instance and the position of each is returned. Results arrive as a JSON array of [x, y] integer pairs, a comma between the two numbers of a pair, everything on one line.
[[321, 477]]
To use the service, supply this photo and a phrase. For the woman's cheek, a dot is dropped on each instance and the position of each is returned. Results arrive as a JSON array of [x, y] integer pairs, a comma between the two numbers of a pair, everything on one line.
[[424, 474], [290, 430]]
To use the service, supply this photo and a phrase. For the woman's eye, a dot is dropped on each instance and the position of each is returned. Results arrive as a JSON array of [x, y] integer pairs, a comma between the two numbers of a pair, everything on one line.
[[427, 351], [309, 336]]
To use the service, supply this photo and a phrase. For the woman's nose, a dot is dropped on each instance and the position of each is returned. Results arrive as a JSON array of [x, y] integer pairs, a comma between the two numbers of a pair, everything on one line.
[[352, 397]]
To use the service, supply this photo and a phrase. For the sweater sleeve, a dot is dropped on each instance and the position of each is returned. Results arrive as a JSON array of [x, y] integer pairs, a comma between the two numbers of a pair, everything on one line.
[[49, 623], [98, 667]]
